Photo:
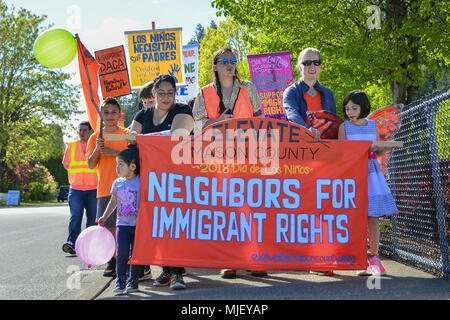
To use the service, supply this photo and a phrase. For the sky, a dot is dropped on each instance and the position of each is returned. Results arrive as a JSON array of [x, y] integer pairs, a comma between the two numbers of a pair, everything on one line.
[[101, 24]]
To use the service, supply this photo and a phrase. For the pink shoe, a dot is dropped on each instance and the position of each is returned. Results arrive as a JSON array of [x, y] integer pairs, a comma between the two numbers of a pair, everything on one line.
[[376, 266]]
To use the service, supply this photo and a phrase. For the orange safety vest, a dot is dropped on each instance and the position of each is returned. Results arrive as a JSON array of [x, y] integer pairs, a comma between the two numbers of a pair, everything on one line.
[[78, 171], [242, 108]]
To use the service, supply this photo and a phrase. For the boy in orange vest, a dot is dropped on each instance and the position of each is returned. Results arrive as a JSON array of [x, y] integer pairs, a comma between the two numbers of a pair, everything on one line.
[[83, 186], [102, 154]]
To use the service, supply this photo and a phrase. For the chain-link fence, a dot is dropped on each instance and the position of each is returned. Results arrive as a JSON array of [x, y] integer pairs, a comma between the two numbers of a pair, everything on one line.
[[419, 177]]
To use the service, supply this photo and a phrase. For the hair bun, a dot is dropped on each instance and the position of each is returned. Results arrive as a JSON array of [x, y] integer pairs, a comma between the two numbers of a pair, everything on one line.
[[132, 147]]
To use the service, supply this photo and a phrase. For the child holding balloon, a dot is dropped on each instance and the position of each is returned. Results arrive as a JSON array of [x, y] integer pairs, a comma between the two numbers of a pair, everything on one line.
[[125, 196], [101, 155]]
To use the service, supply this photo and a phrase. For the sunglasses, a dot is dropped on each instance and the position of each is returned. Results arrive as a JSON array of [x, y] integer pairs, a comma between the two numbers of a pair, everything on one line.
[[307, 63], [225, 61]]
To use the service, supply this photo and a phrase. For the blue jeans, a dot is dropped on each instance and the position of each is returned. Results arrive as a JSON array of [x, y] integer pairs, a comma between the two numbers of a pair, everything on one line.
[[78, 202], [125, 243]]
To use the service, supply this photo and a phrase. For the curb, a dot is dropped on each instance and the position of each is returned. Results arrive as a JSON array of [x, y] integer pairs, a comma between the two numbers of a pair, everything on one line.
[[92, 284], [96, 289]]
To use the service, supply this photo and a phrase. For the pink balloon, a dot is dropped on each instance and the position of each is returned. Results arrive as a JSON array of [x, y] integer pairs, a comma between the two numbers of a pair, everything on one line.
[[95, 246]]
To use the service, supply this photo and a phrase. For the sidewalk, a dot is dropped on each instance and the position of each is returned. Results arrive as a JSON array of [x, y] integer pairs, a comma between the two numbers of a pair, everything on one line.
[[400, 282]]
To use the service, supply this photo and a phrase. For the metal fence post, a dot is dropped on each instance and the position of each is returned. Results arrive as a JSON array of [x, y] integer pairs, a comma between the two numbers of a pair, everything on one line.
[[432, 107]]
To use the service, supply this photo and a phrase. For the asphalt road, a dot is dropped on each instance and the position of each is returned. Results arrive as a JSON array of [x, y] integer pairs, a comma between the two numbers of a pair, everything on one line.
[[32, 264], [34, 267]]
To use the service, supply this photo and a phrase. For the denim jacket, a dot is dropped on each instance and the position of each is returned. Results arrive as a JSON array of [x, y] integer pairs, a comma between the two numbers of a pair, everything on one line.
[[295, 105]]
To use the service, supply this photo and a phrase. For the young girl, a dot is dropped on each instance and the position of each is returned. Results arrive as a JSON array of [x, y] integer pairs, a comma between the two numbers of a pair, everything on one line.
[[125, 192], [356, 108]]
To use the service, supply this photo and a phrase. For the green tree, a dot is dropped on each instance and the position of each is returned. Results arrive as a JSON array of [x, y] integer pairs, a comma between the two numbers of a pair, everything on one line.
[[199, 33], [56, 168], [34, 101], [213, 24], [384, 43], [54, 162], [435, 83], [130, 106], [227, 34]]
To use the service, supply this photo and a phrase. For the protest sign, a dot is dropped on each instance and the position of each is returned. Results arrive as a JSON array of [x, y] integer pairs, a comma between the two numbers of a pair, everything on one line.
[[113, 73], [154, 52], [190, 59], [13, 198], [261, 194], [271, 74]]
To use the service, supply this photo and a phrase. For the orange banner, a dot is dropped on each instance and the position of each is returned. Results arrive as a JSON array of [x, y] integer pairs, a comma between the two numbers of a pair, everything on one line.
[[89, 69], [252, 194]]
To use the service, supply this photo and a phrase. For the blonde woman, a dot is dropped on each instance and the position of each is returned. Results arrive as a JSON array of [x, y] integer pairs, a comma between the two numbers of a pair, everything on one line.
[[308, 94]]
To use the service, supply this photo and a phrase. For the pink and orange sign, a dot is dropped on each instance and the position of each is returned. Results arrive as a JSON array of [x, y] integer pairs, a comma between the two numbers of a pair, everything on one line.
[[271, 74]]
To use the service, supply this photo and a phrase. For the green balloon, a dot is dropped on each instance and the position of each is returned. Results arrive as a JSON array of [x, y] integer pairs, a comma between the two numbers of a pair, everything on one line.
[[55, 48]]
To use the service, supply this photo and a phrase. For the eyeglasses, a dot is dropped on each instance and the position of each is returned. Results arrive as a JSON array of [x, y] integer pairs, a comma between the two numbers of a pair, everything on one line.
[[165, 94], [225, 61], [307, 63]]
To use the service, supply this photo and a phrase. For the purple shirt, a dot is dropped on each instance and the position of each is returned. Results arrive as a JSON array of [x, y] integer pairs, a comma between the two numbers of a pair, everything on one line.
[[128, 194]]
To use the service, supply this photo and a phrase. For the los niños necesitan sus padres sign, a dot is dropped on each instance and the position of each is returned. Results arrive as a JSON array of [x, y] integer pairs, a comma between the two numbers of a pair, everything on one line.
[[154, 52]]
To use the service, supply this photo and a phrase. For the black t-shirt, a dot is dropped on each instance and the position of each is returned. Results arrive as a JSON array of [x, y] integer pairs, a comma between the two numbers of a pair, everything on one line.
[[145, 118]]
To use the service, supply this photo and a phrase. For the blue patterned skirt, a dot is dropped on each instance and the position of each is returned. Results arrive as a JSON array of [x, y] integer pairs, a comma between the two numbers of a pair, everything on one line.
[[380, 199]]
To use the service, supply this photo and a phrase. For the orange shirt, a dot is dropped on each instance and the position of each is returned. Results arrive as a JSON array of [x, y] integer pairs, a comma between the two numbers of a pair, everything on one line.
[[313, 103], [106, 165]]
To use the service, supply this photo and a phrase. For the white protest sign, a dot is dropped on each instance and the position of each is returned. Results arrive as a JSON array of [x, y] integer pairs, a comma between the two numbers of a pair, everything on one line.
[[190, 59]]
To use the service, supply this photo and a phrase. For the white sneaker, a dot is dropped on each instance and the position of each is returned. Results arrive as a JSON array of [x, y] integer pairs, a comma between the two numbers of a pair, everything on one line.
[[367, 272], [147, 274]]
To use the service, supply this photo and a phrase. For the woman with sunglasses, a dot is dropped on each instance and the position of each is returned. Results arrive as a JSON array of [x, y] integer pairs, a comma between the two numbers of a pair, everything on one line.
[[308, 94], [228, 96]]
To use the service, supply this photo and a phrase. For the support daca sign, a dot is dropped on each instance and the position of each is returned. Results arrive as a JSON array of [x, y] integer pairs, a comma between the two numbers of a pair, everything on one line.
[[252, 194], [113, 73]]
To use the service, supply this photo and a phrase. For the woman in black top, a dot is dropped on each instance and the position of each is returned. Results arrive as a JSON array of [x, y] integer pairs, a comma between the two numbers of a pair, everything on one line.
[[165, 115]]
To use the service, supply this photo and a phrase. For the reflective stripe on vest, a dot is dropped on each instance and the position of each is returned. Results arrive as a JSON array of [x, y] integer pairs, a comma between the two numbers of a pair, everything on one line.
[[78, 171], [82, 170], [72, 158], [242, 108]]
